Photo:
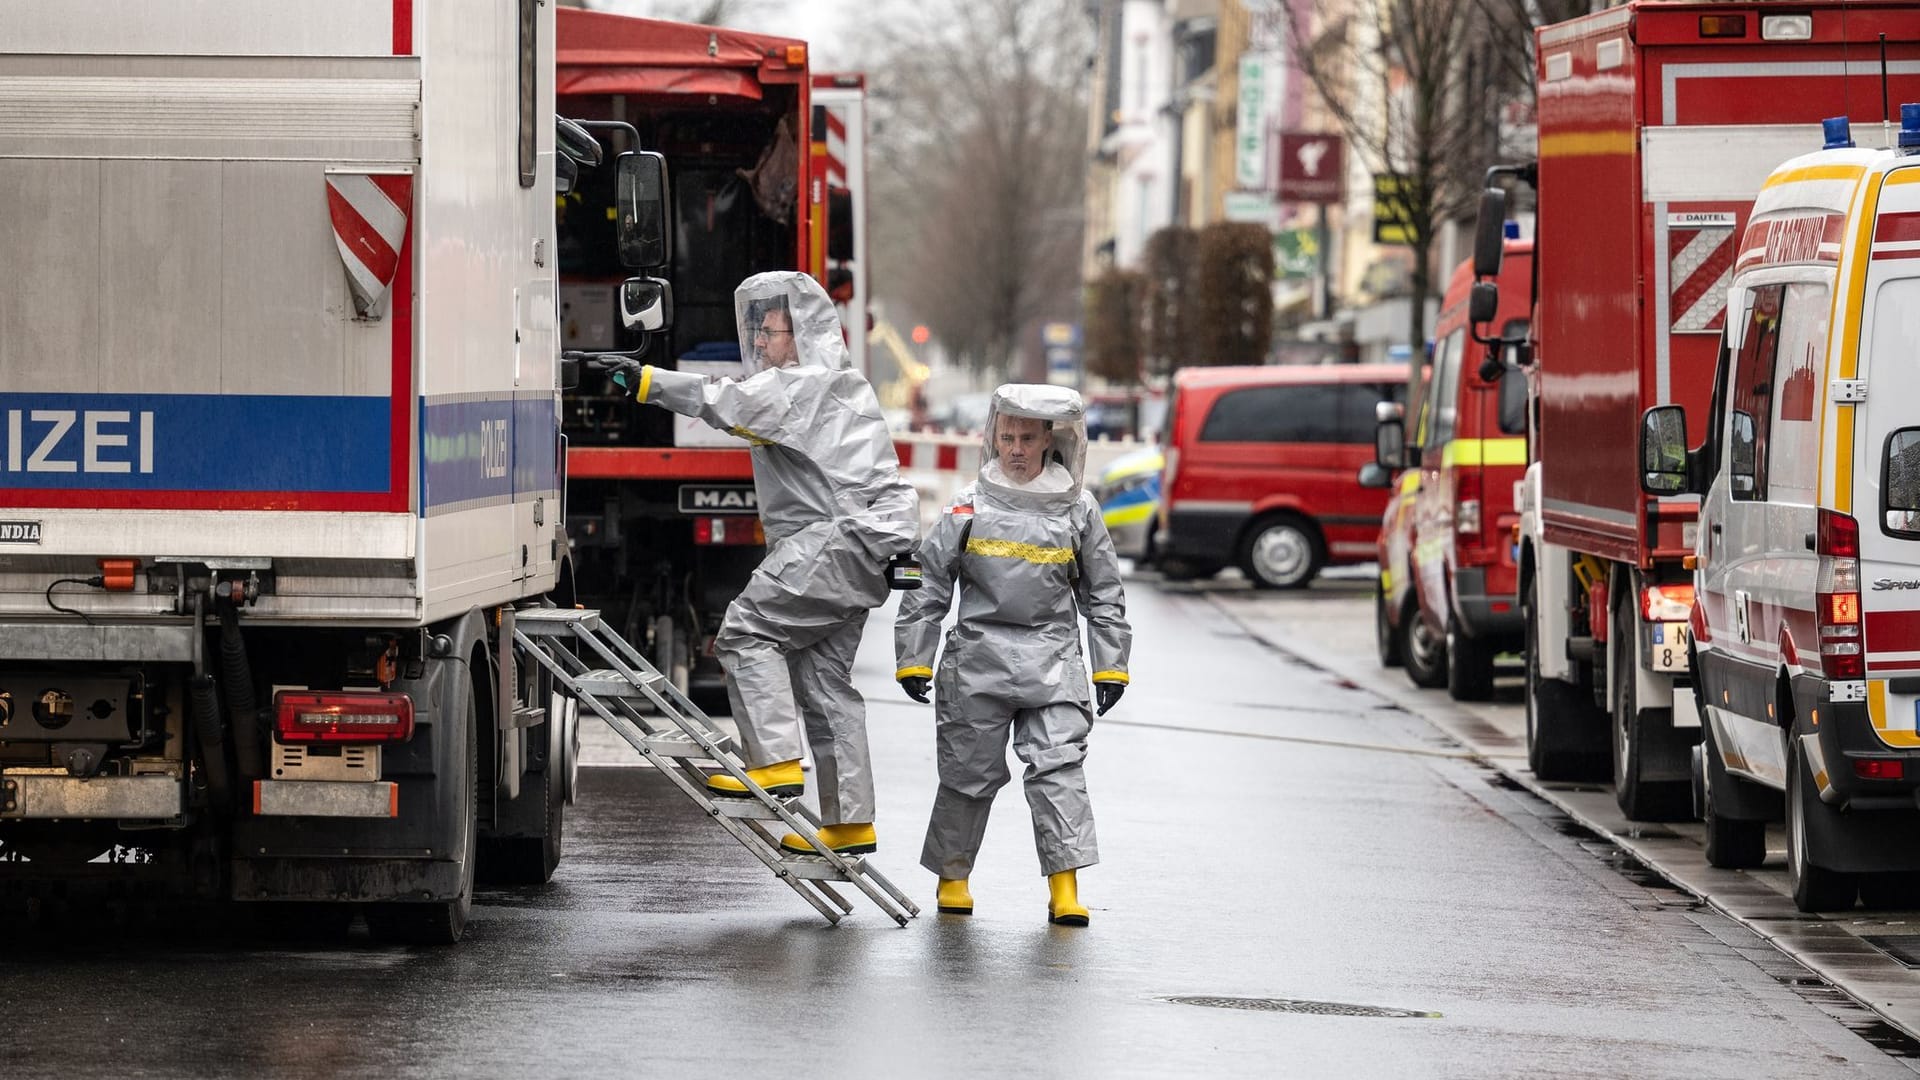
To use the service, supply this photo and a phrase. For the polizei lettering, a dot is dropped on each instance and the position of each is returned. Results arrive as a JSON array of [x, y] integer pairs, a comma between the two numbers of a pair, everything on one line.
[[19, 532], [92, 441]]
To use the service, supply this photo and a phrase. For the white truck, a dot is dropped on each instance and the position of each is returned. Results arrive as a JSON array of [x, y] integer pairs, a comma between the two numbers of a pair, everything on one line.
[[280, 449]]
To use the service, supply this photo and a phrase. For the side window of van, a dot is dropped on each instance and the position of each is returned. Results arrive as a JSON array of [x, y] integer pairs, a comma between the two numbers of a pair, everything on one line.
[[1446, 390], [1357, 402], [1750, 396], [1303, 413], [1793, 439]]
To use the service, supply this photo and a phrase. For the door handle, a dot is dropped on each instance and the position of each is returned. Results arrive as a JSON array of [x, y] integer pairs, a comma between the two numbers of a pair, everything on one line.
[[1810, 541], [1716, 528]]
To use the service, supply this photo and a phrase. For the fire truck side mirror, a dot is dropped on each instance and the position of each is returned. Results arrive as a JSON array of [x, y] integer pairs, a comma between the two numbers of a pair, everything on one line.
[[1489, 234], [1663, 451], [643, 236], [646, 304], [1483, 300]]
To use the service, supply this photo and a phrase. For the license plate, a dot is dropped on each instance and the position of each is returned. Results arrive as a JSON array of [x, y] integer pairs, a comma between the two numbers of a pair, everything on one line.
[[1669, 647]]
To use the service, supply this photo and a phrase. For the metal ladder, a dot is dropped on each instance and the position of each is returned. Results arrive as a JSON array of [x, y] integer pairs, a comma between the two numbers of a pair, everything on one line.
[[608, 676]]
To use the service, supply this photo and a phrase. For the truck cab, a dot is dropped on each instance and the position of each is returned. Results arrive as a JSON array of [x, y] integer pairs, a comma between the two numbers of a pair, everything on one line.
[[1806, 627]]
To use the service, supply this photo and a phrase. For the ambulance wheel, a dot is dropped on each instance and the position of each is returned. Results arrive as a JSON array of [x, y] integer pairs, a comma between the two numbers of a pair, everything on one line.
[[1386, 640], [441, 922], [1814, 888], [1469, 665], [1282, 551], [1422, 649]]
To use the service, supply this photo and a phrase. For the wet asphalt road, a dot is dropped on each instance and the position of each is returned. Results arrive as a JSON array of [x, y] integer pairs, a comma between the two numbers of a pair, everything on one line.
[[1268, 832]]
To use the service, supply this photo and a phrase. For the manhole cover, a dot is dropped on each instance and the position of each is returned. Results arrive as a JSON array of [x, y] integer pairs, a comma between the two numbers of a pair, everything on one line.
[[1295, 1005]]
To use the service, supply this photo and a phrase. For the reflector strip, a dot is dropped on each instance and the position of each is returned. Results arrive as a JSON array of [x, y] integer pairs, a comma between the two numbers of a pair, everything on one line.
[[1014, 549], [369, 213]]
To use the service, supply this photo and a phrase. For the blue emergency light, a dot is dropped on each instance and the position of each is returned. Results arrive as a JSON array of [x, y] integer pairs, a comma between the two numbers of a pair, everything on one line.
[[1909, 127], [1838, 132]]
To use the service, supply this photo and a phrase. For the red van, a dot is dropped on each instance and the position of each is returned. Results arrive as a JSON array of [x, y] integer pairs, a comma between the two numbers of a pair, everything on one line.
[[1470, 446], [1262, 470]]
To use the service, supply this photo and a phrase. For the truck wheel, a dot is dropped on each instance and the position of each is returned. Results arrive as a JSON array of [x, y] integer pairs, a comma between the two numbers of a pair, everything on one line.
[[1281, 552], [1815, 888], [1559, 720], [1732, 844], [1386, 640], [1469, 665], [1422, 649], [440, 922], [1640, 800]]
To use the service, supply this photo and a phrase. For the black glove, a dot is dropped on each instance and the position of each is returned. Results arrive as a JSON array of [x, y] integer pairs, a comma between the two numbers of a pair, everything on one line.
[[624, 374], [916, 687], [1108, 694]]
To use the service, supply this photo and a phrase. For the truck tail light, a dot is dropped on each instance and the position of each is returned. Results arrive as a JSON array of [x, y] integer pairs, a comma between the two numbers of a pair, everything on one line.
[[1666, 603], [736, 530], [342, 716], [1837, 597], [1466, 502], [1723, 26]]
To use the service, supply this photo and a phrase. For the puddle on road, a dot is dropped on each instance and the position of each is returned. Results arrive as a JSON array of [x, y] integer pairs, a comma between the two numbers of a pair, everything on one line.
[[1297, 1005]]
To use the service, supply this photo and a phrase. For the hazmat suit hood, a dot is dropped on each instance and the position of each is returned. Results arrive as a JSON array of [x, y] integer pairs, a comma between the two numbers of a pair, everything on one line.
[[1059, 481], [786, 319]]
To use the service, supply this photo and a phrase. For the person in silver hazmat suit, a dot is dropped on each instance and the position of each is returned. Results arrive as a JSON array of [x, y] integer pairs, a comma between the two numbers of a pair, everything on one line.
[[835, 510], [1027, 551]]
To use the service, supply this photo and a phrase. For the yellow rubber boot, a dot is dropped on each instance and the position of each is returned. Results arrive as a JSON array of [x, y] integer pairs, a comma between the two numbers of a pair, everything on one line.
[[781, 779], [1064, 908], [953, 897], [854, 838]]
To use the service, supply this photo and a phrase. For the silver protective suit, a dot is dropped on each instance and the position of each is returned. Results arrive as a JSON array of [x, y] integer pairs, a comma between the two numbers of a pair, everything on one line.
[[835, 510], [1028, 560]]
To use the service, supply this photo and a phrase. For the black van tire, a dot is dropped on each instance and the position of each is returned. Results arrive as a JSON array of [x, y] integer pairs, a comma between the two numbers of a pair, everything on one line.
[[1422, 651], [1282, 551], [1814, 888], [1469, 665], [1386, 638]]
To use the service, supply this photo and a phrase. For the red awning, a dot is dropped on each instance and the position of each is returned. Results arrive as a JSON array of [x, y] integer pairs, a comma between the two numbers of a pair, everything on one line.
[[598, 53]]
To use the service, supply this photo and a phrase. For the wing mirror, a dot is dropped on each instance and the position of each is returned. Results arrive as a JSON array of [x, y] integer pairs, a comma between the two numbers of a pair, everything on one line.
[[643, 235], [1375, 475], [1663, 451], [1390, 435], [646, 304]]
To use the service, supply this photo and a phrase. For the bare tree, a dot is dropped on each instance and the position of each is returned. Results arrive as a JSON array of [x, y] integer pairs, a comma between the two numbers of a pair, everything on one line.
[[1171, 307], [1402, 80], [1113, 331], [698, 12], [978, 169]]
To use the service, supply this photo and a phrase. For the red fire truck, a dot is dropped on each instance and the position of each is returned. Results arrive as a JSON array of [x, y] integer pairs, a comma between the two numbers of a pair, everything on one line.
[[1658, 123], [660, 509]]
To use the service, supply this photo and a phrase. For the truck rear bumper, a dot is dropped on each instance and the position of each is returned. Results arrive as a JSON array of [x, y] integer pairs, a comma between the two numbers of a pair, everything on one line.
[[99, 798]]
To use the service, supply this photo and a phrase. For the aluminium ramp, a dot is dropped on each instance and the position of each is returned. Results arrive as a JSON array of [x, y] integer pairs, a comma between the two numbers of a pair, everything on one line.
[[610, 678]]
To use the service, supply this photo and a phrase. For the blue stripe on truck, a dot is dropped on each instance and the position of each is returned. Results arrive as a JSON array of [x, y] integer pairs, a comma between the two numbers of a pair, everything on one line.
[[488, 450], [194, 442]]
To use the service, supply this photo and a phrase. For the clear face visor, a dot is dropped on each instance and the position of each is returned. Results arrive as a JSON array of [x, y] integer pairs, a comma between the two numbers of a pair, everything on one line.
[[767, 336], [1036, 436]]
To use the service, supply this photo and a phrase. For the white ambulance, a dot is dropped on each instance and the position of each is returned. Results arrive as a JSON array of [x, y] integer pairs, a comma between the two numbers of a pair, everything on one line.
[[1807, 573]]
